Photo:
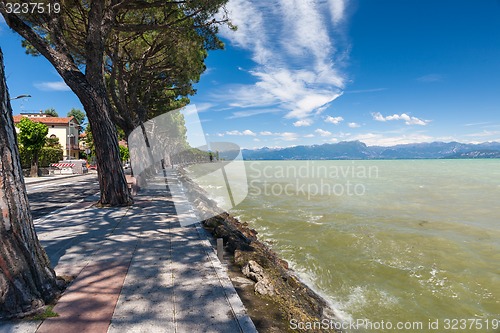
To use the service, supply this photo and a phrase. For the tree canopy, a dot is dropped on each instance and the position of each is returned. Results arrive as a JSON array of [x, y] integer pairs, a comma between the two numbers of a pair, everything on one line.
[[150, 72], [51, 112], [78, 114], [32, 135], [124, 153], [76, 41]]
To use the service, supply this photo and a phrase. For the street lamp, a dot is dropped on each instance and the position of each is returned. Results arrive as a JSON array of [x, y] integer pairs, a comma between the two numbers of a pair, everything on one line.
[[69, 144], [21, 96]]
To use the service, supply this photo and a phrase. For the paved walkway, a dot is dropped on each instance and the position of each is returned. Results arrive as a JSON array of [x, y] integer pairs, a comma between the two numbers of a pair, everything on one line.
[[137, 270]]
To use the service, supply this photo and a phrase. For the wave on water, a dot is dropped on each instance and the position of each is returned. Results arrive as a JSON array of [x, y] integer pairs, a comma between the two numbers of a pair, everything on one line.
[[314, 219], [309, 278], [418, 245]]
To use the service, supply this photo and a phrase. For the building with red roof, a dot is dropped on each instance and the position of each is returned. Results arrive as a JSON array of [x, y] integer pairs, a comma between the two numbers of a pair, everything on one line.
[[63, 128]]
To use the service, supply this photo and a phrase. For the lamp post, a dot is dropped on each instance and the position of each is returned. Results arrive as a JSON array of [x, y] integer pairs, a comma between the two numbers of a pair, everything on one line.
[[69, 144], [21, 96]]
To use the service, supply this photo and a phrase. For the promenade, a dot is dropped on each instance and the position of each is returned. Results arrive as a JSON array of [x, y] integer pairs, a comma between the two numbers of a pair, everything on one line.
[[136, 270]]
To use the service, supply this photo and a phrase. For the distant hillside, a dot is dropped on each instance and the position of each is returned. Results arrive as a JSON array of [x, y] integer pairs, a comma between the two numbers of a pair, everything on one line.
[[356, 150]]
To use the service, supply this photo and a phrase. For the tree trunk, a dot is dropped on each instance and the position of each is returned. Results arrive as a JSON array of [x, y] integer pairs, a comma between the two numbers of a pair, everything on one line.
[[34, 165], [113, 185], [26, 280], [114, 189], [91, 91]]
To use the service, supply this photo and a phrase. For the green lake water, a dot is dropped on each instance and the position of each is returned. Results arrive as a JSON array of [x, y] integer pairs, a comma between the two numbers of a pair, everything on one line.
[[406, 241]]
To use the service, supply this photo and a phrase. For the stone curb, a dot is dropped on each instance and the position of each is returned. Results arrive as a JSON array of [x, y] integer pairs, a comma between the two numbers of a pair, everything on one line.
[[44, 179]]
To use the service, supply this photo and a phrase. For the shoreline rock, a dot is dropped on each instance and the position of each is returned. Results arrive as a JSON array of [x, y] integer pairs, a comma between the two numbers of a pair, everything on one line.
[[273, 278]]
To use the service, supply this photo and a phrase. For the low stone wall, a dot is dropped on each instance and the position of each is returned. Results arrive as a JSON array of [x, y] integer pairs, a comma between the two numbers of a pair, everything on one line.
[[42, 171], [272, 276]]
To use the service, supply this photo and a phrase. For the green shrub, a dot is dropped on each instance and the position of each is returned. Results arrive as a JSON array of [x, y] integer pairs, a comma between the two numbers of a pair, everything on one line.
[[48, 155], [25, 157]]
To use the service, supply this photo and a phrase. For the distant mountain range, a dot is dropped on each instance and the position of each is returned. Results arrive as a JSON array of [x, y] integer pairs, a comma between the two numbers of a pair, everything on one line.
[[356, 150]]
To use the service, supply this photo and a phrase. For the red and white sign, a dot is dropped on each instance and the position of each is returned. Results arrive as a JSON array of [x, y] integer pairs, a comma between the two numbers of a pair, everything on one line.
[[63, 165]]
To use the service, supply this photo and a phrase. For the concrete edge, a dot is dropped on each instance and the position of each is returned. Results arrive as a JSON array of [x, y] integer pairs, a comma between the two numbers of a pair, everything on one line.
[[44, 179], [240, 314]]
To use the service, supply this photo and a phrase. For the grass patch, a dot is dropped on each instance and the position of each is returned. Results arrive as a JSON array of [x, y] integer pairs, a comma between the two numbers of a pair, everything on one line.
[[47, 313]]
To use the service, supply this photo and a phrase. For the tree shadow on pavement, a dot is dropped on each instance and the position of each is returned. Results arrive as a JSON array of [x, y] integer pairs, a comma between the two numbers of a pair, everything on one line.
[[170, 283]]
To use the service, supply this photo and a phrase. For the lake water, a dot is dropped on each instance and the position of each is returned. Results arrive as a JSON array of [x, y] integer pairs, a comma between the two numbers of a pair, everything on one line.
[[389, 242]]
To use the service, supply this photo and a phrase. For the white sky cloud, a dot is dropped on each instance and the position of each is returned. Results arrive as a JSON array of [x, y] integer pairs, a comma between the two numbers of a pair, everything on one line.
[[250, 113], [377, 139], [289, 136], [478, 123], [323, 132], [337, 10], [378, 116], [201, 107], [354, 125], [409, 120], [245, 132], [296, 66], [484, 133], [303, 123], [333, 120], [52, 86], [249, 132]]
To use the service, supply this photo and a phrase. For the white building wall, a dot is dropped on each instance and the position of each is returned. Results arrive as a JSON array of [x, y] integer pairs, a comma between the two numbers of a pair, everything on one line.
[[62, 132]]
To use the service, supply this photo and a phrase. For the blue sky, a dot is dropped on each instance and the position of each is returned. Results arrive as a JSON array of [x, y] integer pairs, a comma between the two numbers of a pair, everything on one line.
[[311, 72], [34, 76]]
